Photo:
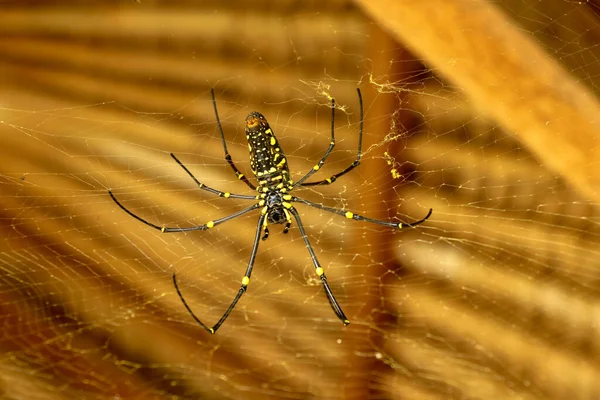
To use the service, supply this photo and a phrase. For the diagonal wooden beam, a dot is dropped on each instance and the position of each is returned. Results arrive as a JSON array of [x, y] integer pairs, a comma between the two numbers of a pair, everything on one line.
[[507, 75]]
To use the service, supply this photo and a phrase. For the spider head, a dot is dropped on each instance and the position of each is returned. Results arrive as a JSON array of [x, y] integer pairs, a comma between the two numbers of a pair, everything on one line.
[[255, 120]]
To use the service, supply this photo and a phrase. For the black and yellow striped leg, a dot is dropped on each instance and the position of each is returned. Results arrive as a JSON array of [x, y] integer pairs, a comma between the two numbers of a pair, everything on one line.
[[228, 158], [265, 228], [351, 215], [202, 186], [208, 225], [355, 163], [319, 270], [329, 149], [245, 282], [288, 222]]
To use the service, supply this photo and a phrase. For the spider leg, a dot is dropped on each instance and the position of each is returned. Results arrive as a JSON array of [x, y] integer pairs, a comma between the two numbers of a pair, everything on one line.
[[228, 158], [354, 164], [319, 270], [288, 222], [351, 215], [208, 225], [265, 227], [329, 149], [202, 186], [245, 282]]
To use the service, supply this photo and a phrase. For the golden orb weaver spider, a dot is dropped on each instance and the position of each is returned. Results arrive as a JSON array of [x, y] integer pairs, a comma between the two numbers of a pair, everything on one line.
[[269, 166]]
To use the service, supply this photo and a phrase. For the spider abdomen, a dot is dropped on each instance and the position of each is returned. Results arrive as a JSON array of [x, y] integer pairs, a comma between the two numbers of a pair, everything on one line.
[[267, 159]]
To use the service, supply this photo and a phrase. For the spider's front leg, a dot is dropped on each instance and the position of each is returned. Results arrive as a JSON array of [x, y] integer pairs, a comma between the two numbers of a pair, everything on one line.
[[354, 164], [228, 158]]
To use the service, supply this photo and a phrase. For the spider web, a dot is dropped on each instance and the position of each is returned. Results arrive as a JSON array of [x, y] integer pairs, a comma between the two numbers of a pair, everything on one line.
[[495, 296]]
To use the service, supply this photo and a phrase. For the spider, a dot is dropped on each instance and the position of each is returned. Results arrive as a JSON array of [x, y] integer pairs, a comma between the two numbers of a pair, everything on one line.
[[274, 199]]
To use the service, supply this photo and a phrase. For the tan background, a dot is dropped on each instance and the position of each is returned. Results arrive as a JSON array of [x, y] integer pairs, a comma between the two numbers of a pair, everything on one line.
[[489, 112]]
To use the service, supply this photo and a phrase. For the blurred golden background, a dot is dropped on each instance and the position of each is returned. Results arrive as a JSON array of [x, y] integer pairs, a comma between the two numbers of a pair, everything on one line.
[[486, 112]]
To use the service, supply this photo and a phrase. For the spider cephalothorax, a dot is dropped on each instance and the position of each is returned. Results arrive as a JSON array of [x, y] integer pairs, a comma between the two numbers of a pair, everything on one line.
[[270, 167], [275, 205]]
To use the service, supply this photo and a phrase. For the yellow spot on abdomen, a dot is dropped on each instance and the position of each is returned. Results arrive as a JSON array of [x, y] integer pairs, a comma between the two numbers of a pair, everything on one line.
[[349, 215], [319, 271], [245, 281], [210, 224], [316, 167]]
